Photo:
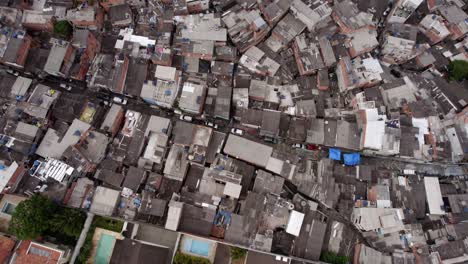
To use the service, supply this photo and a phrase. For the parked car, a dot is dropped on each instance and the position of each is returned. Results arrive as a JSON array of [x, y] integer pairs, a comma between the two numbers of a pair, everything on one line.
[[13, 72], [237, 131], [186, 118], [395, 73], [40, 188], [385, 13], [103, 97], [66, 87], [312, 147], [211, 124], [298, 145], [120, 100]]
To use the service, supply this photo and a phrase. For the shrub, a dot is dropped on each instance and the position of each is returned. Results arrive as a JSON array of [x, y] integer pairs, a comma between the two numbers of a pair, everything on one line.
[[32, 217], [181, 258], [458, 70], [237, 253], [63, 29], [333, 258]]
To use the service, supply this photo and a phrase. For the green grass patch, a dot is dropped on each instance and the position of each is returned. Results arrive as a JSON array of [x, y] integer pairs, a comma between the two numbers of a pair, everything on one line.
[[237, 253], [181, 258], [108, 223], [333, 258], [458, 70]]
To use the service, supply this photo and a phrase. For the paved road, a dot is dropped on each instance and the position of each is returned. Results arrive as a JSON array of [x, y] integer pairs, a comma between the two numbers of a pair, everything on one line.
[[433, 168]]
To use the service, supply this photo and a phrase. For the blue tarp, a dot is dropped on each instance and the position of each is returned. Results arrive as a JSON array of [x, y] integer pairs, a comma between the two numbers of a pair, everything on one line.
[[334, 154], [352, 159], [223, 218]]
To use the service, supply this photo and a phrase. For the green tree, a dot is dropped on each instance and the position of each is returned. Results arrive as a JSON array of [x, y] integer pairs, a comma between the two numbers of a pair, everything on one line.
[[237, 253], [68, 222], [39, 216], [181, 258], [63, 29], [333, 258], [32, 217], [458, 70]]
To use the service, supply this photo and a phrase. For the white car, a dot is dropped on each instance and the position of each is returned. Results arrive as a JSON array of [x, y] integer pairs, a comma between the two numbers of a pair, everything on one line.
[[387, 10], [298, 145], [186, 118], [237, 131], [40, 188], [66, 87], [120, 100], [107, 103], [10, 71], [211, 124]]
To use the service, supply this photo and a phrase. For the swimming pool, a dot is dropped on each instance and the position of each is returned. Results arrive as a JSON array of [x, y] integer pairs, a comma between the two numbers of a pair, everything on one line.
[[197, 247], [104, 249]]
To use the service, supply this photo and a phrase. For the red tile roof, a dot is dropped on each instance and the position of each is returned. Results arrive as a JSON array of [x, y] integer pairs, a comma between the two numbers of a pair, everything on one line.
[[26, 253], [6, 248]]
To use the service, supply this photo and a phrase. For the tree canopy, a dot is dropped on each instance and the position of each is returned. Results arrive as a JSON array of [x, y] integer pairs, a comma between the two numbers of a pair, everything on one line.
[[63, 29], [333, 258], [458, 70], [39, 216], [68, 222], [237, 253], [31, 217], [181, 258]]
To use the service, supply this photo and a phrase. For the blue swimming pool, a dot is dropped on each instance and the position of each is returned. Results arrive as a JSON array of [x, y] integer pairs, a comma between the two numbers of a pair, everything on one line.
[[104, 249], [197, 247]]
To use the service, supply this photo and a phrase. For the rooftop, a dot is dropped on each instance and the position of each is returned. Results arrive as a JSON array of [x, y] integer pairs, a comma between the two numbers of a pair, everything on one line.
[[247, 150], [104, 201], [202, 27], [192, 97], [53, 145], [33, 252], [132, 251]]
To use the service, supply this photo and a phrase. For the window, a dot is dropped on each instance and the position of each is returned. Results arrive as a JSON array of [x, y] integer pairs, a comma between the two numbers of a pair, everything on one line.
[[8, 208]]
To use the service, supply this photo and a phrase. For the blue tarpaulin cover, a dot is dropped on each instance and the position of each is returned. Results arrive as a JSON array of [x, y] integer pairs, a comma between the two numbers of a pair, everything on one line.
[[334, 154], [352, 159]]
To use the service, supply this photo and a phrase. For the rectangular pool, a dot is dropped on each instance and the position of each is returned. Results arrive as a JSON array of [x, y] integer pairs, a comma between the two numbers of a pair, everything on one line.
[[104, 249], [197, 247]]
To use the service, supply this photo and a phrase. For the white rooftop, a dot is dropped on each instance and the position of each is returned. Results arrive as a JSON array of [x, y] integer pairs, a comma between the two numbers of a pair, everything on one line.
[[173, 215], [127, 35], [165, 73], [232, 190], [295, 223], [21, 86], [6, 173], [104, 201], [53, 169], [434, 196]]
